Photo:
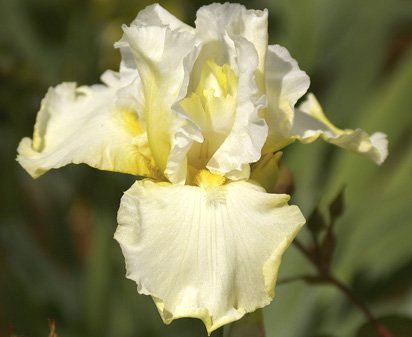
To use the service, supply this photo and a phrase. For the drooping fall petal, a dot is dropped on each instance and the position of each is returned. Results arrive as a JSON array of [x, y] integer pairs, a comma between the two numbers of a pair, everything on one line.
[[86, 125], [210, 252], [310, 123]]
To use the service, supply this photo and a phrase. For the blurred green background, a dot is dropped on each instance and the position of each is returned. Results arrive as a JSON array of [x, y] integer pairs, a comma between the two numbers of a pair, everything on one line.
[[57, 256]]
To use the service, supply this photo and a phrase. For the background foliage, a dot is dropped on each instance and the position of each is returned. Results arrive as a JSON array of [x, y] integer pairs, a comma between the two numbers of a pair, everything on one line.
[[57, 256]]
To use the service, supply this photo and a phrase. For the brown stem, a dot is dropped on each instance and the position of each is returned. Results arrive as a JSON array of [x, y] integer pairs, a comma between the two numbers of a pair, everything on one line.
[[379, 327], [326, 277]]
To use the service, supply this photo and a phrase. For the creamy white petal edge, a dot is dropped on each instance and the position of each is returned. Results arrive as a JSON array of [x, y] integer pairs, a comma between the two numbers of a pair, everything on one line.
[[244, 143], [86, 125], [237, 36], [285, 84], [215, 20], [233, 35], [310, 123], [153, 15], [209, 253]]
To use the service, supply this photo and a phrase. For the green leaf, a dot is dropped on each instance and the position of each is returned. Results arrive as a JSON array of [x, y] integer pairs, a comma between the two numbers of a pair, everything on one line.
[[393, 286], [398, 326], [97, 277]]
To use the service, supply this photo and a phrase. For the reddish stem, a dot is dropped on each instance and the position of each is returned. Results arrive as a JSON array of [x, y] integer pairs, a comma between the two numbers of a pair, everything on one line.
[[326, 277], [379, 327]]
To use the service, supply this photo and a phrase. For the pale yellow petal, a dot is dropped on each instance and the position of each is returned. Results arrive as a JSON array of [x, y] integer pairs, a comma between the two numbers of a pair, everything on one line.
[[207, 252], [156, 15], [244, 143], [215, 20], [285, 84], [310, 123], [212, 107], [85, 125], [267, 170], [153, 15], [164, 58]]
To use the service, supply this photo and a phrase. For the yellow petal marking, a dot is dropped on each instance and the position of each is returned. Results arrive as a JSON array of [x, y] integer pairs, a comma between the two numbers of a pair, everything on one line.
[[157, 123], [84, 125], [141, 160], [311, 123], [130, 121], [212, 106], [315, 110], [205, 178]]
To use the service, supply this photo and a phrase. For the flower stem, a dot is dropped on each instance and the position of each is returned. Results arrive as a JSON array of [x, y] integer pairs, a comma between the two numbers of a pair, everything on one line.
[[326, 277], [379, 327]]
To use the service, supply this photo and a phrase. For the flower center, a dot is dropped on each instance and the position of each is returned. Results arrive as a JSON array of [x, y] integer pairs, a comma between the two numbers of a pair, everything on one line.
[[205, 179], [212, 106]]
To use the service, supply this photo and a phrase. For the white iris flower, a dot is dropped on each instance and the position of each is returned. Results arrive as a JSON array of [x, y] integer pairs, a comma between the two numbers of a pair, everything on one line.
[[190, 110]]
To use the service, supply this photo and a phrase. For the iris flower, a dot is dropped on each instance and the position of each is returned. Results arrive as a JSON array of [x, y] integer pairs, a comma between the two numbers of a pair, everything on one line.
[[201, 114]]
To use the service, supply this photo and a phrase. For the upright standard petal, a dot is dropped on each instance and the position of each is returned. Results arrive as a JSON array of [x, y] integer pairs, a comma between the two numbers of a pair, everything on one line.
[[215, 20], [212, 107], [244, 143], [84, 125], [156, 15], [310, 123], [153, 15], [209, 252], [164, 59], [285, 84]]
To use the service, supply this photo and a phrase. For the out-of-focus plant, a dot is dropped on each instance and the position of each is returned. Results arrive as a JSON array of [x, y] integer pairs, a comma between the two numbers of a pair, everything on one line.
[[362, 81]]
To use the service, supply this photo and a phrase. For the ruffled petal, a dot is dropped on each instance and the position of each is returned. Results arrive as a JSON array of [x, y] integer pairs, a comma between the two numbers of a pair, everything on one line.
[[153, 15], [164, 58], [285, 84], [156, 15], [185, 133], [244, 143], [128, 90], [215, 20], [207, 252], [85, 125], [310, 123]]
